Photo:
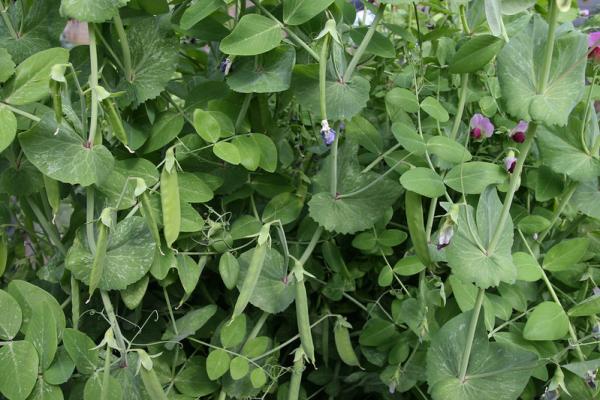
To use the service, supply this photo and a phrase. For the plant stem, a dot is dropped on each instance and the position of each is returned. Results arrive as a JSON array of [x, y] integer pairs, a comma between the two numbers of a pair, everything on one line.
[[462, 98], [74, 302], [89, 218], [381, 157], [48, 228], [464, 362], [363, 45], [561, 207], [115, 326], [21, 112], [311, 245], [93, 84], [243, 111], [8, 23], [334, 157], [463, 20], [552, 23], [258, 326], [323, 77], [124, 46]]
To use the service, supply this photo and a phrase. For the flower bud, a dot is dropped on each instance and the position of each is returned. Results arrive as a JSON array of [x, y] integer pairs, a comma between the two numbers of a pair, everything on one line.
[[481, 127], [510, 162]]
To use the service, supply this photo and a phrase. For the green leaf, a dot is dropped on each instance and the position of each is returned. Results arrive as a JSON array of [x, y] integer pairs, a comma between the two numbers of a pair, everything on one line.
[[566, 150], [249, 152], [229, 269], [435, 109], [120, 186], [45, 391], [227, 152], [587, 199], [82, 350], [271, 294], [193, 380], [377, 332], [19, 365], [519, 67], [407, 266], [423, 181], [153, 60], [95, 384], [91, 10], [233, 333], [7, 65], [253, 34], [133, 295], [61, 368], [189, 272], [258, 378], [467, 255], [128, 257], [344, 99], [8, 127], [473, 177], [408, 137], [563, 255], [166, 127], [528, 269], [359, 211], [42, 333], [207, 126], [268, 151], [32, 76], [296, 12], [64, 156], [239, 368], [199, 10], [272, 72], [547, 321], [475, 54], [448, 149], [285, 207], [379, 45], [188, 324], [11, 316], [193, 189], [21, 180], [511, 7], [533, 224], [364, 133], [402, 99], [496, 371], [217, 363], [588, 307]]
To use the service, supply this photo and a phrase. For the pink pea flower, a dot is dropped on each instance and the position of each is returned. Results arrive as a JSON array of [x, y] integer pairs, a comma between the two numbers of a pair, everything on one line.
[[481, 127], [445, 234], [584, 13], [594, 45], [518, 132], [510, 162]]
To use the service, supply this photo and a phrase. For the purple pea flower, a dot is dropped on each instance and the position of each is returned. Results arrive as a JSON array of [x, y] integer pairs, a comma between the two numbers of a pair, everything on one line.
[[327, 133], [481, 127], [518, 132], [594, 45], [510, 162], [590, 379], [445, 234], [584, 13], [225, 66]]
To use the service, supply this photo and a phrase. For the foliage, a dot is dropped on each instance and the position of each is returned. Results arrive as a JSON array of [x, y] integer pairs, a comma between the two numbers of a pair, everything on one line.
[[278, 199]]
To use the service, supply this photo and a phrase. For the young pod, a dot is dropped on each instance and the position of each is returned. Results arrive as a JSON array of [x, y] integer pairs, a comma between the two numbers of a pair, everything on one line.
[[302, 316], [416, 226], [55, 93], [150, 218], [169, 199], [254, 270], [152, 384], [114, 119], [343, 344], [52, 193]]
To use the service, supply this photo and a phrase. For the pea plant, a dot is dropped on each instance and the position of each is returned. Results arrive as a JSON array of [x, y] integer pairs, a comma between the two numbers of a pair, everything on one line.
[[299, 199]]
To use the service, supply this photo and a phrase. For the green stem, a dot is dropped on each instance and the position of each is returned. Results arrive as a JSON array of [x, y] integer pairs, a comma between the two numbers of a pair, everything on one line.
[[74, 302], [552, 23], [323, 77], [363, 45], [8, 23], [21, 112], [115, 326], [48, 228], [381, 157], [462, 98], [515, 182], [464, 362], [93, 85], [463, 19], [561, 207], [222, 395], [258, 326], [89, 218], [430, 217], [106, 374], [311, 245], [124, 46], [334, 161], [243, 111], [596, 145]]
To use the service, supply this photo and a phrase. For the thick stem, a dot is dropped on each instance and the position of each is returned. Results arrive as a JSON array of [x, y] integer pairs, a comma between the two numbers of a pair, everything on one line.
[[93, 85], [464, 362], [334, 161], [21, 112], [311, 245], [74, 302], [552, 23], [48, 228], [124, 46], [462, 98], [363, 45], [243, 111], [115, 326]]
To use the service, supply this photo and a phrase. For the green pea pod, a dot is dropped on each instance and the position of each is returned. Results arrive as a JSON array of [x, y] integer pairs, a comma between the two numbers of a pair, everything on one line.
[[296, 379], [3, 252], [416, 227], [148, 214], [55, 92], [302, 316], [169, 199], [114, 119], [98, 263], [152, 384], [343, 345], [252, 275], [52, 193]]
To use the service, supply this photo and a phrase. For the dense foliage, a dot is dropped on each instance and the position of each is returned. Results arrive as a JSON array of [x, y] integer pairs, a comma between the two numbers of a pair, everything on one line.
[[290, 199]]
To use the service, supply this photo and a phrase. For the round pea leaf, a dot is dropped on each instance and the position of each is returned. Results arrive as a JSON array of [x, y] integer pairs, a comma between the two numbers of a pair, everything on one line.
[[547, 321], [19, 365], [60, 153], [272, 73], [253, 34], [448, 149], [95, 383], [11, 317], [91, 10], [475, 54], [227, 152], [272, 293], [297, 12], [473, 177], [217, 364], [8, 127], [128, 257], [193, 380], [423, 181], [435, 109]]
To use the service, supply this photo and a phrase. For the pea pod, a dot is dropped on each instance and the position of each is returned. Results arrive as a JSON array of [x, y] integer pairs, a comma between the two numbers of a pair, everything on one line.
[[302, 316], [169, 199], [114, 119], [55, 92], [152, 384], [416, 227], [100, 255], [150, 218], [52, 193], [252, 275], [343, 345], [3, 252], [296, 379]]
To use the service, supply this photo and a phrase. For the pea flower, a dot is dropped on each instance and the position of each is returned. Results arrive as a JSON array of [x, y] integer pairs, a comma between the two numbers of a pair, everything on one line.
[[481, 126], [225, 66], [584, 13], [596, 331], [327, 133], [550, 395], [510, 162], [445, 235], [594, 45], [518, 132], [590, 379]]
